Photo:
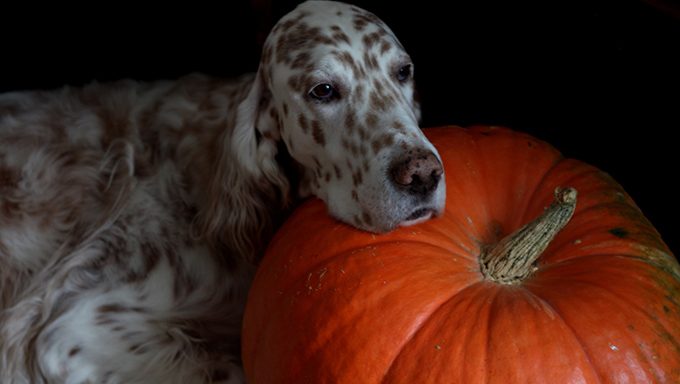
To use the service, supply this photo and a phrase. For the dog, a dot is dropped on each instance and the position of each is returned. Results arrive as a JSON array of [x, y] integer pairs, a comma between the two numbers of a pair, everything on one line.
[[133, 215]]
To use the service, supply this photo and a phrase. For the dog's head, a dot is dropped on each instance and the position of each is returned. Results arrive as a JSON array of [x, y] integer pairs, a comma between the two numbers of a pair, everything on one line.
[[336, 86]]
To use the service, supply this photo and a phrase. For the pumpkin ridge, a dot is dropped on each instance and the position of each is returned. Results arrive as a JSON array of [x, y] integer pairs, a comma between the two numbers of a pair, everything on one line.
[[641, 310], [412, 337], [649, 367], [571, 329]]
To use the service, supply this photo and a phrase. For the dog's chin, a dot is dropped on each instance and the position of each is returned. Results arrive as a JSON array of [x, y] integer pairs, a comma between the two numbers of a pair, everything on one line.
[[418, 216], [388, 224]]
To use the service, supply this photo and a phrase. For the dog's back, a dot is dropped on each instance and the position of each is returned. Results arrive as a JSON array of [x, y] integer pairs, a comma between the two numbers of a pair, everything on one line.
[[100, 188]]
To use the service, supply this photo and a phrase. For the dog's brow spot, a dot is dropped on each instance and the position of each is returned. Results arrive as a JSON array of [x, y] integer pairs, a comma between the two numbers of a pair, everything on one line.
[[301, 60]]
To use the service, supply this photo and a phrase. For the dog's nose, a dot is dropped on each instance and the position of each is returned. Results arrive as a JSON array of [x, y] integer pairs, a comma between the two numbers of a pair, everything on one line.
[[418, 173]]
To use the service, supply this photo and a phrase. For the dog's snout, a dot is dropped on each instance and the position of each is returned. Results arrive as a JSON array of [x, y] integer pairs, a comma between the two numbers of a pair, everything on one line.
[[418, 174]]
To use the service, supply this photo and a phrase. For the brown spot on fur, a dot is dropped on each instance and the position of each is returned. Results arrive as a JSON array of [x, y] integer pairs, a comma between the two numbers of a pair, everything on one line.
[[357, 178], [323, 39], [345, 144], [355, 195], [302, 36], [317, 163], [399, 126], [285, 109], [363, 134], [338, 173], [350, 122], [110, 308], [382, 142], [294, 82], [366, 217], [359, 24], [370, 40], [385, 46], [363, 150], [301, 60], [286, 25], [302, 121], [341, 37], [74, 351], [377, 102], [371, 120], [317, 133], [347, 59], [327, 177], [370, 61]]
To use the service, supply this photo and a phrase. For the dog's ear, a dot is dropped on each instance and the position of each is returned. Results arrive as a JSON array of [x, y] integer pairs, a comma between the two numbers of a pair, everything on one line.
[[257, 131], [247, 182]]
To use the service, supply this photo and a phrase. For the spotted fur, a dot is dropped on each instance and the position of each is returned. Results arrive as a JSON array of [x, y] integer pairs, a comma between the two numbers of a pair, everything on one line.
[[132, 215]]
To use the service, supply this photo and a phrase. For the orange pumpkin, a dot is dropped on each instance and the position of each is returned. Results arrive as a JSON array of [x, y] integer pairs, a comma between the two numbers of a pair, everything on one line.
[[445, 302]]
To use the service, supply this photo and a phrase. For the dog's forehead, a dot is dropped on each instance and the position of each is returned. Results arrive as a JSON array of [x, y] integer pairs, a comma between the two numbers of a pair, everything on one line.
[[319, 33]]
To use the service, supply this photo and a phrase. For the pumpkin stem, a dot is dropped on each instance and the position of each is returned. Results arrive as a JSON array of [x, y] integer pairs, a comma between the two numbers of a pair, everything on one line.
[[513, 258]]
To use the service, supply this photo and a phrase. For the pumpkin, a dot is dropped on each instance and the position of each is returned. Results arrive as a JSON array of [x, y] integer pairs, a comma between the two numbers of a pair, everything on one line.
[[512, 284]]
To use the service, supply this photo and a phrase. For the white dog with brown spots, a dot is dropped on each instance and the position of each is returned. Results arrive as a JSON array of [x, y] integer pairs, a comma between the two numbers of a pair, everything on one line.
[[132, 215]]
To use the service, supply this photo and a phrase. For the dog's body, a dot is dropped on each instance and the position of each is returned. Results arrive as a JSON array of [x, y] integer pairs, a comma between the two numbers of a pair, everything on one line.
[[132, 215]]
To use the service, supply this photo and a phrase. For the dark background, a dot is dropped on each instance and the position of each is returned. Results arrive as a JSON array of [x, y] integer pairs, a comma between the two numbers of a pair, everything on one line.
[[597, 79]]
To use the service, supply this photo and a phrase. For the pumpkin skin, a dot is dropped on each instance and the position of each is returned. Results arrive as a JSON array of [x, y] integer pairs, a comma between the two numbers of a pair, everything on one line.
[[331, 304]]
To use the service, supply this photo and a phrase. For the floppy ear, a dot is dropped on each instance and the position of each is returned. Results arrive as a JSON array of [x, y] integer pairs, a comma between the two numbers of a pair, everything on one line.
[[247, 183], [256, 133]]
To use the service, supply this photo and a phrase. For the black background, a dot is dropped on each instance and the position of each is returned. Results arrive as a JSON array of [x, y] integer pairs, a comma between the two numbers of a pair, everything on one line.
[[597, 79]]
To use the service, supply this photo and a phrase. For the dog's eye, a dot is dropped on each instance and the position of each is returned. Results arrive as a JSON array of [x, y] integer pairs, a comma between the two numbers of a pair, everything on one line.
[[323, 92], [404, 73]]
